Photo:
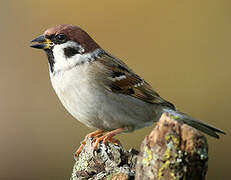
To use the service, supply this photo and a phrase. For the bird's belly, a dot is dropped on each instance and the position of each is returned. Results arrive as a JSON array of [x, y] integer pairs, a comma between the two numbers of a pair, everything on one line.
[[95, 106]]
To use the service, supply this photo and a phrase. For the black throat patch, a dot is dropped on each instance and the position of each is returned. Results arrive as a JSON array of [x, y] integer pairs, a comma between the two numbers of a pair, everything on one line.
[[71, 51], [51, 58]]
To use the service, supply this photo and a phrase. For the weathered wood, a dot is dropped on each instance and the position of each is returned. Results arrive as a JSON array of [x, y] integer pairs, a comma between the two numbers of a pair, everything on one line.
[[110, 161], [173, 151]]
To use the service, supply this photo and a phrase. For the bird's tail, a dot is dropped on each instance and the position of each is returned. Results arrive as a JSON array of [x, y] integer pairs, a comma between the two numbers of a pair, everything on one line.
[[181, 117]]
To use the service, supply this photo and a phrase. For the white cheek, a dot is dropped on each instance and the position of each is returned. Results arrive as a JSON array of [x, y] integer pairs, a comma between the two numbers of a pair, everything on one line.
[[58, 53], [61, 61]]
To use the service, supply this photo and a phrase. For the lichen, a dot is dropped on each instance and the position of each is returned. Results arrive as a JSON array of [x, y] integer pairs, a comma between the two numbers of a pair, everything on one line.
[[147, 156], [175, 139], [109, 161], [83, 163], [172, 157], [175, 117], [203, 153], [162, 169], [172, 151]]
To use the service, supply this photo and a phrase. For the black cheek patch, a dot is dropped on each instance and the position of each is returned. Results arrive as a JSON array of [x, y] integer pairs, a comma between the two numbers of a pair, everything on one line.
[[71, 51], [50, 59]]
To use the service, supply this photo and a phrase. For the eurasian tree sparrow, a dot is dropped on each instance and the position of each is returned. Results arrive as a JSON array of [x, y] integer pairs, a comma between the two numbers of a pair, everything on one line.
[[100, 90]]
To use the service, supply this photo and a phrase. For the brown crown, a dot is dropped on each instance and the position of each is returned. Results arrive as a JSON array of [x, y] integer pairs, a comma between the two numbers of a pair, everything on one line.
[[74, 33]]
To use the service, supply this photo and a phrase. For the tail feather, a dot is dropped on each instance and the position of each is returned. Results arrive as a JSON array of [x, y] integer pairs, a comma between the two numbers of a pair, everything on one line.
[[197, 124]]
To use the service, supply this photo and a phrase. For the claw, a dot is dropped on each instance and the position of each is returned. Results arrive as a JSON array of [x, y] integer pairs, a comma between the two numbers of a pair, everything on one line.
[[98, 137], [108, 137], [94, 134], [115, 141], [79, 150]]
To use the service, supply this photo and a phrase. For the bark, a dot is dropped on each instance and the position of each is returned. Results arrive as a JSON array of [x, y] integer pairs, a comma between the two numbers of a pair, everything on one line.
[[110, 161], [171, 151]]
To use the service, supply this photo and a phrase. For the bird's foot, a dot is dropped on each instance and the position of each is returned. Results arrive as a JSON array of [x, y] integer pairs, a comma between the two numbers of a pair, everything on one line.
[[94, 134], [108, 137]]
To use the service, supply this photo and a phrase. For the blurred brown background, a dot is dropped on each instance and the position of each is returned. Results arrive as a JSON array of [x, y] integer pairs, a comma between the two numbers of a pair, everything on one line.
[[181, 47]]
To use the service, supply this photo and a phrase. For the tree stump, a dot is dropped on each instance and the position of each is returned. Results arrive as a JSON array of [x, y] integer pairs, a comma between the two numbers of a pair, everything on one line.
[[171, 151]]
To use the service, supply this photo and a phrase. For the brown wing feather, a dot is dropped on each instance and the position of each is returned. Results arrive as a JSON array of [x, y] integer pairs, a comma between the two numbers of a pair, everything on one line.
[[123, 80]]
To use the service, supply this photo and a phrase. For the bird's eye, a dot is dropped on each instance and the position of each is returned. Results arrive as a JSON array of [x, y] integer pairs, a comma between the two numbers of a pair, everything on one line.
[[61, 38]]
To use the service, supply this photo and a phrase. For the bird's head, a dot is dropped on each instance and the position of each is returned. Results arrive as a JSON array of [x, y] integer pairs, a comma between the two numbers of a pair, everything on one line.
[[65, 46]]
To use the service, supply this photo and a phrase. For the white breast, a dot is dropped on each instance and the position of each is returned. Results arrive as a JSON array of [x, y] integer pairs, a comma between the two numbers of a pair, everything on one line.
[[95, 106]]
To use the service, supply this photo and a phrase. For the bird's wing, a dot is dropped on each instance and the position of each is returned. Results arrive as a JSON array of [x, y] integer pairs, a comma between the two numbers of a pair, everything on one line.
[[121, 79]]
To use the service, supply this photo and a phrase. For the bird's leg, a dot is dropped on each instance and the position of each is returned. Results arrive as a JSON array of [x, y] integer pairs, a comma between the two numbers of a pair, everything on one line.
[[94, 134], [108, 137]]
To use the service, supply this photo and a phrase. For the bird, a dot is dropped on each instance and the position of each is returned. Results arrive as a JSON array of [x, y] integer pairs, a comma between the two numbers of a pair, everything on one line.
[[100, 90]]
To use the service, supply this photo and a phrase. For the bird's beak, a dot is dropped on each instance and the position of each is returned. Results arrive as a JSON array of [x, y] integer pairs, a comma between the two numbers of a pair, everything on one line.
[[42, 43]]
